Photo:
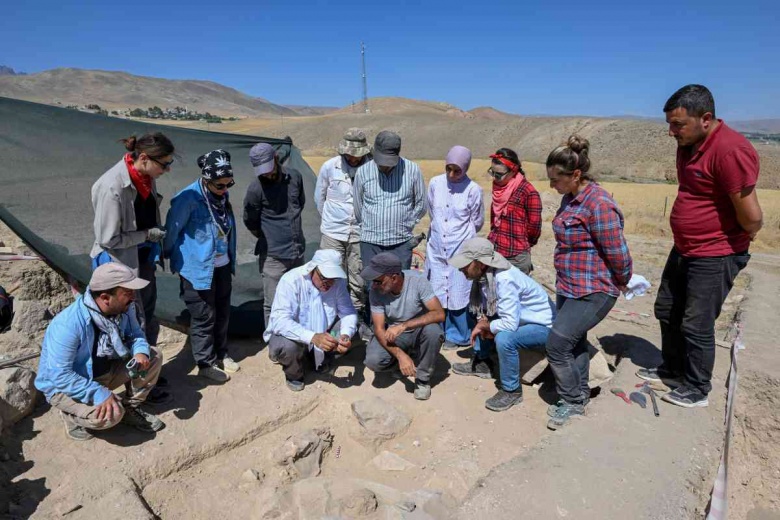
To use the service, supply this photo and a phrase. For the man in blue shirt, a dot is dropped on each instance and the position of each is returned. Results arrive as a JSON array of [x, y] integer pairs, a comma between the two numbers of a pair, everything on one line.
[[85, 352]]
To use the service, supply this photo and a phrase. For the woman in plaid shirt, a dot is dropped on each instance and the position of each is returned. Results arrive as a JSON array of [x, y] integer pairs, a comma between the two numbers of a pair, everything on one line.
[[592, 266], [516, 211]]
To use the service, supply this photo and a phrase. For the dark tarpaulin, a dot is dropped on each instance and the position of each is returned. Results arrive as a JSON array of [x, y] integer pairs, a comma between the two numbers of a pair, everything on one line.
[[51, 156]]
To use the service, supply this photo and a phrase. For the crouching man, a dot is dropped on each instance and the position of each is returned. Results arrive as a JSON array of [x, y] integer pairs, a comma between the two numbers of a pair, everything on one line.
[[513, 313], [84, 355], [309, 301], [407, 319]]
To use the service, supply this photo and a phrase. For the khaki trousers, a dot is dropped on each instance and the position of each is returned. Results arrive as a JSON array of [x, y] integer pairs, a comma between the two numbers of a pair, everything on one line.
[[136, 390], [350, 252]]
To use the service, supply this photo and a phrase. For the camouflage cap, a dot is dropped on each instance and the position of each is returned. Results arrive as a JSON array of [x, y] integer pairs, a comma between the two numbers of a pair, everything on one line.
[[354, 143]]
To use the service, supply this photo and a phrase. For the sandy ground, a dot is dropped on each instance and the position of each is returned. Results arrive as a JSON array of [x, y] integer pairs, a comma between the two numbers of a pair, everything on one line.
[[618, 462]]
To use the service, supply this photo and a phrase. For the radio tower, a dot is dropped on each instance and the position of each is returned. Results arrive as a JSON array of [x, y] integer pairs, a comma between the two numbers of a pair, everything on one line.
[[365, 87]]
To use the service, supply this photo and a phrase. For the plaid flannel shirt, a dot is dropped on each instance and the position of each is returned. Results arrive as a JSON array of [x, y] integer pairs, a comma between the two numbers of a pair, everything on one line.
[[591, 254], [519, 227]]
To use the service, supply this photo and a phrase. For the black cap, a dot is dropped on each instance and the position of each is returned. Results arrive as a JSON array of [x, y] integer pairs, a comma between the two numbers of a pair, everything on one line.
[[387, 149], [381, 264]]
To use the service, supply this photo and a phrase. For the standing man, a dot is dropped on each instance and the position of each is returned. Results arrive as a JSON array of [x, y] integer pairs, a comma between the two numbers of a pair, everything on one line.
[[272, 212], [714, 219], [389, 196], [407, 320], [334, 200]]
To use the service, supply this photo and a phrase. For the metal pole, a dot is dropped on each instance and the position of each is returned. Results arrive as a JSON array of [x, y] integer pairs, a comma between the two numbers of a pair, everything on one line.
[[365, 85], [666, 201]]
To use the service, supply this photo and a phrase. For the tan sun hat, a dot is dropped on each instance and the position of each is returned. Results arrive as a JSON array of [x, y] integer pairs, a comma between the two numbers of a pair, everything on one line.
[[114, 274], [354, 143], [481, 249]]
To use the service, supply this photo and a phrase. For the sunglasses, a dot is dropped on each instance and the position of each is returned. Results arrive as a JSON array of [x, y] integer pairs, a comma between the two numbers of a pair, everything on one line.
[[221, 186], [163, 165], [497, 175]]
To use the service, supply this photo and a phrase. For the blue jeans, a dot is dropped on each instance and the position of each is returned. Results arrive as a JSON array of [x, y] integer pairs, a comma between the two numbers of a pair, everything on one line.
[[567, 345], [458, 325], [508, 344]]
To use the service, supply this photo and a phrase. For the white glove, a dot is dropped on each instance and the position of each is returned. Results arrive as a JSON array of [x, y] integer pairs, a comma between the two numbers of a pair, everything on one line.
[[155, 234]]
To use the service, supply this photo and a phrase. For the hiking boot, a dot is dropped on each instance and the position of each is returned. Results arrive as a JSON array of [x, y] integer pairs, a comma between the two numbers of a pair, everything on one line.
[[158, 396], [449, 345], [504, 400], [214, 373], [228, 365], [73, 430], [554, 407], [422, 391], [563, 413], [475, 367], [660, 375], [687, 397], [295, 386], [141, 420]]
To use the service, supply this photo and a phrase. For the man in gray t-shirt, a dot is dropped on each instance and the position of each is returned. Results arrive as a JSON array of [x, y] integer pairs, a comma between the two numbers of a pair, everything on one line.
[[407, 319]]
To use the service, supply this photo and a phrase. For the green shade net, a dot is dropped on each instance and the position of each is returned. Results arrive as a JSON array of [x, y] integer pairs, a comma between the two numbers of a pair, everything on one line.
[[50, 157]]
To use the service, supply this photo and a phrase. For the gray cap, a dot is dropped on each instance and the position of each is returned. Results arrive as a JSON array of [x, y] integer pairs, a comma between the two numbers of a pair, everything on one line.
[[354, 143], [114, 274], [387, 148], [481, 249], [381, 264], [262, 158]]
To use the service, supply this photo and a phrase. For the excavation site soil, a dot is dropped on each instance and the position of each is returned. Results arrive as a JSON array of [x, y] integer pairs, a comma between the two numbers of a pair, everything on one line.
[[356, 445]]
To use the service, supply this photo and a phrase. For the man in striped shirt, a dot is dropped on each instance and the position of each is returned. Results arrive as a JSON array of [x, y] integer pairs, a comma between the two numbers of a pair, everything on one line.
[[389, 198]]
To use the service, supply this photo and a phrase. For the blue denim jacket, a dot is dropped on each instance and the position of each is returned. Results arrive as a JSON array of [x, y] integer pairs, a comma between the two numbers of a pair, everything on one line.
[[191, 241], [66, 355]]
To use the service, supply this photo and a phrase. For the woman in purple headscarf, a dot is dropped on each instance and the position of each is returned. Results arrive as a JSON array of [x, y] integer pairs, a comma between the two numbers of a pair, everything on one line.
[[457, 214]]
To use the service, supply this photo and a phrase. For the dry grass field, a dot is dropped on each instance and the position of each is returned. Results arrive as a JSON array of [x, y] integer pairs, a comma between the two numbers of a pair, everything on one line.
[[642, 204]]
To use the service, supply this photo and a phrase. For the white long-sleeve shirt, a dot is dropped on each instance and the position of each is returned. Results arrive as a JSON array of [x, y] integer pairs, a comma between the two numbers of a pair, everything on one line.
[[521, 301], [457, 214], [334, 200], [300, 310]]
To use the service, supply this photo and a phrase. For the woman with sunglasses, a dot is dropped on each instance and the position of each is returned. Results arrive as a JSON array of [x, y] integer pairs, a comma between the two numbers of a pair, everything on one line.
[[516, 211], [592, 267], [127, 216], [201, 245]]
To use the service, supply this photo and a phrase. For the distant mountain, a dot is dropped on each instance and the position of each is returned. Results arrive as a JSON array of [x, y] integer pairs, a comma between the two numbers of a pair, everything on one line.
[[120, 90], [761, 126], [8, 71], [311, 111]]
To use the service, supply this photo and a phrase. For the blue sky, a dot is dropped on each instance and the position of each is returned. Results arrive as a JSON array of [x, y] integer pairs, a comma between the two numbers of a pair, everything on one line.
[[596, 58]]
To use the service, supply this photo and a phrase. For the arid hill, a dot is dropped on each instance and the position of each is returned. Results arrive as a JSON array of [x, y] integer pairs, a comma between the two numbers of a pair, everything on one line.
[[120, 90]]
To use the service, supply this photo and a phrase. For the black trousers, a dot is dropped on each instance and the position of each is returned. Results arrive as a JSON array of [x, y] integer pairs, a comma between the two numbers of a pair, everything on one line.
[[689, 300], [209, 316]]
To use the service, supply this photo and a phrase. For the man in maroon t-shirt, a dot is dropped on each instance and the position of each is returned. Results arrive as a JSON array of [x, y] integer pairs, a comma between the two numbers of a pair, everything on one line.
[[713, 220]]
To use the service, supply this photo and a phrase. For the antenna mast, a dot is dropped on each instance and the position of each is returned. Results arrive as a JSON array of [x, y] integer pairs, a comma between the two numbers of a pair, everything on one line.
[[365, 87]]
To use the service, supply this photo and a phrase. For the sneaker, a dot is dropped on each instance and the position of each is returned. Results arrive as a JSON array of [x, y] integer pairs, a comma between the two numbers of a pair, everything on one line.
[[553, 408], [228, 365], [563, 413], [422, 391], [141, 420], [158, 396], [73, 430], [660, 375], [295, 386], [214, 373], [449, 345], [475, 367], [504, 400], [687, 397]]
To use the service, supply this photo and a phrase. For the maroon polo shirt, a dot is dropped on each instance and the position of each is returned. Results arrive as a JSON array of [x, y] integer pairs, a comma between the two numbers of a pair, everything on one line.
[[703, 218]]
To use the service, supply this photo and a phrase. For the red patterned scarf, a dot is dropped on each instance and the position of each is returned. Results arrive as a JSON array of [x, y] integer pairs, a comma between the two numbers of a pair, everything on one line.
[[142, 183]]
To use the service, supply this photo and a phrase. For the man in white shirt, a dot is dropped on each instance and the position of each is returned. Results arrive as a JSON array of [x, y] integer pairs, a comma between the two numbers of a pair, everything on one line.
[[334, 200], [513, 313], [309, 303]]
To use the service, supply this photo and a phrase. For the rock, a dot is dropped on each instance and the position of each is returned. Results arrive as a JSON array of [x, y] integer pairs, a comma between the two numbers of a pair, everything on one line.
[[253, 475], [312, 499], [359, 503], [599, 370], [379, 421], [387, 461], [30, 317], [406, 505], [300, 455], [17, 393]]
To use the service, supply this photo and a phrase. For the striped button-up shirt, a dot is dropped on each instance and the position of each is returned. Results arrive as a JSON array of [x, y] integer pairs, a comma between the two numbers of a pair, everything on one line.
[[388, 205], [591, 254]]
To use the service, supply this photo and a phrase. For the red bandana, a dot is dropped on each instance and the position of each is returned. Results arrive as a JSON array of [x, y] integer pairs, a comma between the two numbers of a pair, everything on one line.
[[142, 183], [506, 162]]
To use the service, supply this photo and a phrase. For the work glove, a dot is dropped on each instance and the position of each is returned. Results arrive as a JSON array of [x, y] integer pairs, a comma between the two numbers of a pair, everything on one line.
[[155, 234]]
